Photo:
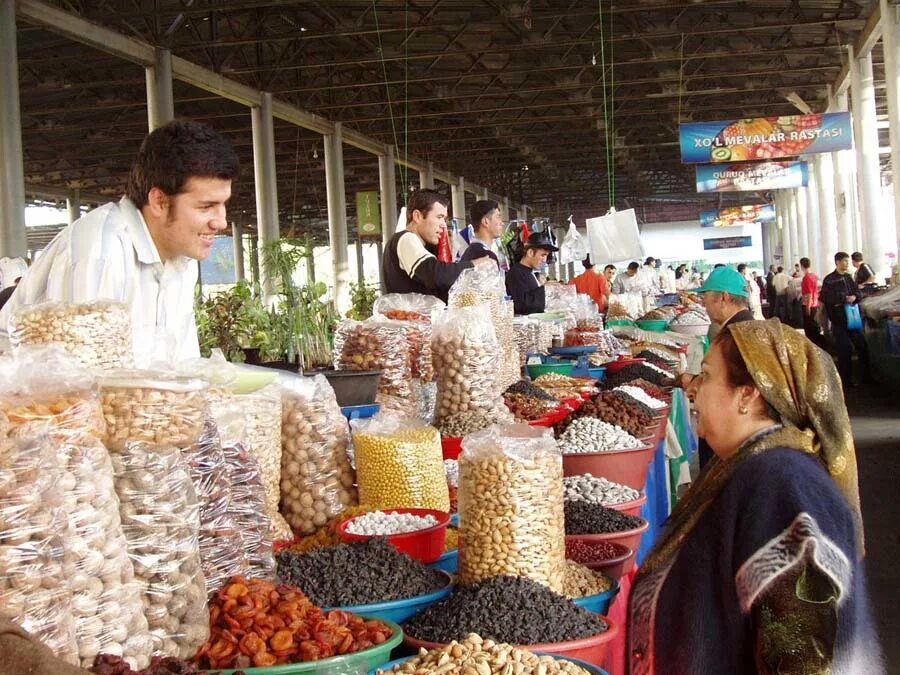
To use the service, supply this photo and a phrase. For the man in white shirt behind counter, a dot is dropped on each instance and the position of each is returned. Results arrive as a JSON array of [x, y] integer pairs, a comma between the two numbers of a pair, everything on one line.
[[141, 251]]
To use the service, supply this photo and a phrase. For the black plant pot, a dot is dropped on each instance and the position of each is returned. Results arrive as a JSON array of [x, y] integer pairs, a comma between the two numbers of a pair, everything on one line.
[[251, 357], [352, 387]]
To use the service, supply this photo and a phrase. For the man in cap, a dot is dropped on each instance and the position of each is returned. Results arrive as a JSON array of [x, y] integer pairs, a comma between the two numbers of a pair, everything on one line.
[[522, 285]]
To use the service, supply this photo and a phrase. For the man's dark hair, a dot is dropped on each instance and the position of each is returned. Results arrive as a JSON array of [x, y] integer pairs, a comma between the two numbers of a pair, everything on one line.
[[424, 201], [805, 263], [841, 255], [587, 263], [741, 267], [649, 260], [780, 269], [718, 265], [633, 266], [609, 267], [857, 256], [480, 209], [176, 152]]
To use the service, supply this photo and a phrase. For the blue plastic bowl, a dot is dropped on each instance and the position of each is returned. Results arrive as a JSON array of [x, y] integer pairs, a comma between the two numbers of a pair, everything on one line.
[[590, 667], [598, 373], [599, 603], [454, 520], [449, 562], [401, 611]]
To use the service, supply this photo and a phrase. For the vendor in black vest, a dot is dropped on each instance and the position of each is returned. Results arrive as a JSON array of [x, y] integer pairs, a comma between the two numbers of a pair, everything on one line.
[[527, 292], [408, 266], [488, 226]]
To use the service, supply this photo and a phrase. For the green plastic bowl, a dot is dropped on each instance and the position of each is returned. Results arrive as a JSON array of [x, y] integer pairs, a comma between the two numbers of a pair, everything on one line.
[[364, 661], [655, 325], [620, 322], [538, 369]]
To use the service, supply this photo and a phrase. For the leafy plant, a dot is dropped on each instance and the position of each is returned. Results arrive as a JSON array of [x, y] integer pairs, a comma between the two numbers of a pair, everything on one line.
[[232, 320], [362, 297]]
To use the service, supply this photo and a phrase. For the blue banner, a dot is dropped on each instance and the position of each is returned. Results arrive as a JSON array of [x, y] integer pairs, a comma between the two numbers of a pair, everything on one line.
[[749, 176], [764, 138], [738, 216], [726, 242]]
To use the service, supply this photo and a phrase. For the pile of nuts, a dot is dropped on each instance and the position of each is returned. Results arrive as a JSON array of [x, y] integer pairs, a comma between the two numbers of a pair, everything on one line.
[[376, 344], [161, 523], [474, 656], [399, 464], [640, 395], [525, 407], [583, 551], [98, 333], [617, 409], [645, 371], [381, 524], [532, 336], [588, 435], [580, 581], [510, 506], [317, 481], [598, 490], [464, 423], [588, 518]]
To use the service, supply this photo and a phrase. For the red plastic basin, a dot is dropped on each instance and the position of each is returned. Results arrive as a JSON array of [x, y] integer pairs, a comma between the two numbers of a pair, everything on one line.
[[451, 446], [628, 467], [632, 508], [629, 538], [424, 545], [591, 649], [615, 567], [619, 364]]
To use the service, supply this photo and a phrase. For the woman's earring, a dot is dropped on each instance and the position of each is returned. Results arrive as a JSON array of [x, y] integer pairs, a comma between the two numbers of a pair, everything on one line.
[[743, 410]]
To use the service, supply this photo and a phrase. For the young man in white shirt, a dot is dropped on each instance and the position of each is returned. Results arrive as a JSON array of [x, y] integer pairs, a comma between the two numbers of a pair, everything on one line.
[[141, 251]]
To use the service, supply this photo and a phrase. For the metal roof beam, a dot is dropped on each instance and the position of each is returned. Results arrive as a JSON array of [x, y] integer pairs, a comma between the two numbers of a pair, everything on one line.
[[867, 39]]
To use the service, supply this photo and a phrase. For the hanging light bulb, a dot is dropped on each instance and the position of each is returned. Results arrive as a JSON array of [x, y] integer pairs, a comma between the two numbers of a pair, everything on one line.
[[315, 153], [593, 59]]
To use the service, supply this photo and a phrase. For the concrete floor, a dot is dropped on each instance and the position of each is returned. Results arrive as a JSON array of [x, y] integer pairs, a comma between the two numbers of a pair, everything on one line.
[[875, 417]]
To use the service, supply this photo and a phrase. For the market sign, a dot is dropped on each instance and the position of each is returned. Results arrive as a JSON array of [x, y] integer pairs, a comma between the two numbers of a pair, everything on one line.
[[738, 216], [751, 176], [764, 137], [726, 242], [368, 214]]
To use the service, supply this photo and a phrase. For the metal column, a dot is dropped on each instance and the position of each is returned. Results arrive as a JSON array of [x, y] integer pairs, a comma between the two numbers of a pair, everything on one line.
[[380, 248], [504, 209], [160, 100], [266, 184], [237, 235], [484, 194], [868, 171], [254, 259], [73, 205], [458, 201], [844, 180], [426, 177], [793, 218], [337, 211], [13, 242], [827, 213], [890, 35], [360, 263], [387, 182]]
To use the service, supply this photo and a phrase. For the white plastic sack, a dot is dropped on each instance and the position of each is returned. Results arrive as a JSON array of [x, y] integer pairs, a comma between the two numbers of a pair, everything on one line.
[[614, 237], [574, 248]]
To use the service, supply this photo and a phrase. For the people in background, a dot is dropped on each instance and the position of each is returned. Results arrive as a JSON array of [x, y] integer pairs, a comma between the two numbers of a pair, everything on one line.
[[488, 226], [753, 289], [527, 292], [407, 265], [780, 284], [682, 278], [839, 290], [765, 550], [795, 300], [770, 289], [865, 275], [610, 273], [650, 277], [629, 281], [142, 250], [592, 283], [666, 278], [809, 288], [7, 292]]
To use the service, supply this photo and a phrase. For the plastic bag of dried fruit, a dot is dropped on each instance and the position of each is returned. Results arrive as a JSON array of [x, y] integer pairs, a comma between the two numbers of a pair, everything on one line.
[[407, 306], [511, 506], [161, 523], [399, 463], [376, 344], [317, 481], [97, 333]]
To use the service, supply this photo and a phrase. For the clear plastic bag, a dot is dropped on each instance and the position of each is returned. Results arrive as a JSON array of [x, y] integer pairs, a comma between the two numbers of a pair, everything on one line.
[[407, 306], [625, 306], [376, 344], [532, 336], [511, 506], [33, 532], [399, 463], [574, 247], [98, 333], [221, 548], [153, 407], [161, 523], [317, 481]]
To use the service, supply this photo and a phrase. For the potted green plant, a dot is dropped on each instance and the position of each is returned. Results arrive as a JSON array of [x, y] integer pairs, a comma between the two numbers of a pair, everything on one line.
[[362, 299], [234, 321]]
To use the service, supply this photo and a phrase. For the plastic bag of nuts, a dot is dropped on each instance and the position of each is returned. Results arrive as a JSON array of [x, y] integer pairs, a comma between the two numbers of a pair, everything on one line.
[[97, 333], [33, 531], [376, 344], [399, 463], [161, 523], [407, 306], [511, 506], [220, 544], [154, 407], [464, 348], [317, 481]]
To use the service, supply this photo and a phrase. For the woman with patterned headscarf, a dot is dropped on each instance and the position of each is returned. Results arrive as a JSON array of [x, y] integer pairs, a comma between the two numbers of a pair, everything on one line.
[[759, 569]]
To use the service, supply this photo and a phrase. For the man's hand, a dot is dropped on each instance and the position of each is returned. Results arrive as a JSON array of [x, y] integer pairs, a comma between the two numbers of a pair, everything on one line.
[[478, 262], [851, 299]]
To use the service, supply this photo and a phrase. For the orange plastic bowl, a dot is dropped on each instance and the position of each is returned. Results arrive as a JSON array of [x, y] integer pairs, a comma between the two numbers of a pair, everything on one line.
[[632, 508], [590, 649], [424, 545], [629, 538], [617, 365], [628, 467], [615, 567]]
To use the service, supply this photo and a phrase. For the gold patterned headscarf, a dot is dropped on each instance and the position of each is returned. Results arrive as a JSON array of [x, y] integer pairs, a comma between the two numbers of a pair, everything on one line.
[[800, 382]]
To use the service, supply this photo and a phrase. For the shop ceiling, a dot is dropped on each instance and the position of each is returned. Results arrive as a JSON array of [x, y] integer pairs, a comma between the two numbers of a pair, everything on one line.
[[513, 96]]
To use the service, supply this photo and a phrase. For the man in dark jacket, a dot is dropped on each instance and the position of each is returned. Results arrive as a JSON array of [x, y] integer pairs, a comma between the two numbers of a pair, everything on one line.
[[488, 226], [527, 292], [865, 275], [840, 289]]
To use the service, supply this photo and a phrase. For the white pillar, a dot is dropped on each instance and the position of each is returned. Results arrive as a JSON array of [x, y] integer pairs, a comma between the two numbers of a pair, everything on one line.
[[458, 202], [875, 240], [266, 184], [426, 177], [73, 205], [801, 243], [813, 220], [779, 230], [827, 213], [844, 180], [337, 211], [237, 234], [160, 100], [387, 182], [794, 211], [890, 35], [13, 242], [484, 193], [504, 209]]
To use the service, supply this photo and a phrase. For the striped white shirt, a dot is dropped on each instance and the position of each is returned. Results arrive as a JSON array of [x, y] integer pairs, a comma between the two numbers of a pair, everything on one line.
[[109, 255]]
